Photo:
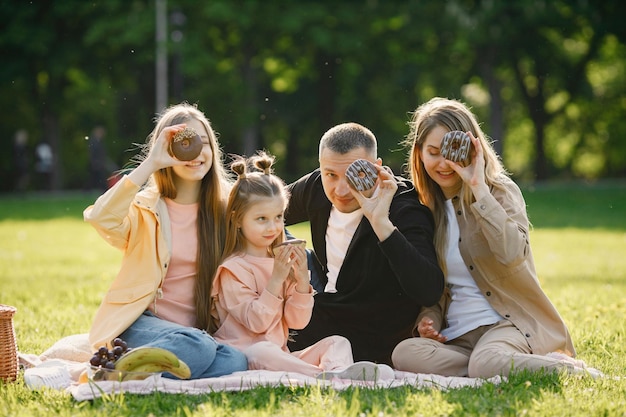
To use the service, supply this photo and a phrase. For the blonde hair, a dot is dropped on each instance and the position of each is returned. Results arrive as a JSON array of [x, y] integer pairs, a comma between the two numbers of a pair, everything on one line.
[[255, 180], [452, 115], [212, 203]]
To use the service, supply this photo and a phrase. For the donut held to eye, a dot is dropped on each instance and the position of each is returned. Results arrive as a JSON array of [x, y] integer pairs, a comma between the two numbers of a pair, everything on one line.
[[362, 175], [455, 146], [186, 145]]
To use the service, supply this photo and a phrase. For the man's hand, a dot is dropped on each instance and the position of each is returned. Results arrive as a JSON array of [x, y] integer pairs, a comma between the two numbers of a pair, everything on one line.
[[376, 207]]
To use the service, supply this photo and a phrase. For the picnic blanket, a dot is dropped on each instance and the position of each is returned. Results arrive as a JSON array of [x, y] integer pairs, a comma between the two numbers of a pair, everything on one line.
[[73, 353]]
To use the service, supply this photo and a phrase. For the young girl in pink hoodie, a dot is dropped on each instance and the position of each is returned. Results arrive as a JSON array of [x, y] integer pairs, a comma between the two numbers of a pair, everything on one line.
[[261, 291]]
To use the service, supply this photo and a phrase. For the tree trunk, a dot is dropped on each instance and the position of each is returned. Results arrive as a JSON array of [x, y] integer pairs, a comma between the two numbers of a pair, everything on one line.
[[536, 105], [541, 162], [50, 123], [496, 116], [326, 90], [250, 134]]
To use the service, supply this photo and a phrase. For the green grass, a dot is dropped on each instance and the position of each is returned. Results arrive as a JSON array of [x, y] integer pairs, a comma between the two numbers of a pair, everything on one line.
[[54, 268]]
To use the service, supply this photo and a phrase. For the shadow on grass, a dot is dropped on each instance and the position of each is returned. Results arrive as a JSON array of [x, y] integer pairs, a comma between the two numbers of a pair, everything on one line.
[[577, 205], [599, 205], [507, 398], [45, 206]]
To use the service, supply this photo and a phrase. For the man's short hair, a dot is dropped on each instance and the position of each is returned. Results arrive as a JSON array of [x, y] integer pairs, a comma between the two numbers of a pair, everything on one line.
[[345, 137]]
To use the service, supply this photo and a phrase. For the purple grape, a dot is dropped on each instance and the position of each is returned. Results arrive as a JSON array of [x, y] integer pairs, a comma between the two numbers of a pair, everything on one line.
[[117, 351], [105, 358]]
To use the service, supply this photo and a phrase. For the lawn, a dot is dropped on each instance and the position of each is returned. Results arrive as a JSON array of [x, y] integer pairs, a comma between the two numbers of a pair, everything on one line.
[[54, 268]]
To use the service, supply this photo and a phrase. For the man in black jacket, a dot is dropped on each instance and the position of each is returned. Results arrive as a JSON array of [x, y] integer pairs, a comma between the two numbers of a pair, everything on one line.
[[373, 250]]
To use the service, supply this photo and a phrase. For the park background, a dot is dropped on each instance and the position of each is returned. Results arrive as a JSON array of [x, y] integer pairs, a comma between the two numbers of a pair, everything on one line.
[[546, 78]]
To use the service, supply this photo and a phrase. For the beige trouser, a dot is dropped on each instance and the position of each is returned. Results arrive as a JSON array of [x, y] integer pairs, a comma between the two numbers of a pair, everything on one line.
[[332, 352], [483, 352]]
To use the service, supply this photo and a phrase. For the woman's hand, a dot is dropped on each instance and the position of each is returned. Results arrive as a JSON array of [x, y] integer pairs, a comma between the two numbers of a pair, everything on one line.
[[426, 330], [473, 174], [159, 154]]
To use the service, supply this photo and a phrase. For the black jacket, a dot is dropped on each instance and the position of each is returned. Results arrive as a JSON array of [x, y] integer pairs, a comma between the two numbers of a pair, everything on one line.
[[381, 285]]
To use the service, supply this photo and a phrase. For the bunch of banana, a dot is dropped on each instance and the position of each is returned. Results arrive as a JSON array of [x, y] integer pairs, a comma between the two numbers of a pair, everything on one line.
[[151, 359]]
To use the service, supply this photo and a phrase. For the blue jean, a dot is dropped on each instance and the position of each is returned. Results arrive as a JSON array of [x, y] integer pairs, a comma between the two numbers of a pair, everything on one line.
[[205, 356]]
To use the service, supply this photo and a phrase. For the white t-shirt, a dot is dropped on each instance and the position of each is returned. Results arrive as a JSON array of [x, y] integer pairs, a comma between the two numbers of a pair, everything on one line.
[[469, 309], [341, 228]]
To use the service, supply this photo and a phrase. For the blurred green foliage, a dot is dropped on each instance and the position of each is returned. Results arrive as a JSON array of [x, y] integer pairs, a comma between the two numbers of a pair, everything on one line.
[[546, 78]]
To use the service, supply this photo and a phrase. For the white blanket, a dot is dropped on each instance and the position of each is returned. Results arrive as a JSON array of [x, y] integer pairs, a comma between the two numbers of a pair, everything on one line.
[[74, 351]]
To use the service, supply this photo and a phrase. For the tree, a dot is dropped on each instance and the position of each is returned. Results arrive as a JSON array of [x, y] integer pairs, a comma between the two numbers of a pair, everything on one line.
[[546, 76], [547, 50], [69, 68]]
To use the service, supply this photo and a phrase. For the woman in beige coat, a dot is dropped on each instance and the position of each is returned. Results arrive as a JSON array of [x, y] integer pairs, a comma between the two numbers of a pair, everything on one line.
[[493, 317]]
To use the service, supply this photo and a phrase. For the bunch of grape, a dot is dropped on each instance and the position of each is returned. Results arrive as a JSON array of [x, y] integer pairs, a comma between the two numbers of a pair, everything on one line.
[[105, 358]]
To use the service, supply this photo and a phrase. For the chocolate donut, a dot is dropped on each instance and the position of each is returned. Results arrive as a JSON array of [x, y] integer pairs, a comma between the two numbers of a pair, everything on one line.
[[186, 145], [292, 242], [362, 175], [299, 242], [455, 146]]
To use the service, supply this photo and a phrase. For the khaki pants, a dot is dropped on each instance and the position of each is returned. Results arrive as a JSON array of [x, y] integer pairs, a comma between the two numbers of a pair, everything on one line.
[[483, 352]]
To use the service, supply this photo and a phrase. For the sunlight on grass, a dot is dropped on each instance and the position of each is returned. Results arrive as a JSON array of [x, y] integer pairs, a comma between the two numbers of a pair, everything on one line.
[[55, 270], [48, 267], [584, 273]]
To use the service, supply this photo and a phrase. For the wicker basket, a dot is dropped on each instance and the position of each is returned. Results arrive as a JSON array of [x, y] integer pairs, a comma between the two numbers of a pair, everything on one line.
[[8, 344]]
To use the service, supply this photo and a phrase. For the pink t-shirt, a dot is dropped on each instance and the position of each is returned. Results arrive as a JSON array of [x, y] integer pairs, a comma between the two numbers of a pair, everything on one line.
[[177, 304]]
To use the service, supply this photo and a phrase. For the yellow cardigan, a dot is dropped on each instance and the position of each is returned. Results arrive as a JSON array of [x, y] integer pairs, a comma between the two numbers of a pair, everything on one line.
[[136, 222]]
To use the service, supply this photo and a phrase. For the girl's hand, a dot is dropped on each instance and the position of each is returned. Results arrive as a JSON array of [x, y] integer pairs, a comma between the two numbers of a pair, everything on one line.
[[159, 154], [282, 267], [283, 263], [300, 269], [426, 330]]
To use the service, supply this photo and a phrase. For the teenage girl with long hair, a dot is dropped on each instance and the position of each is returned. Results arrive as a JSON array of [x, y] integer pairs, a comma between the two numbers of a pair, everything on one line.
[[167, 217]]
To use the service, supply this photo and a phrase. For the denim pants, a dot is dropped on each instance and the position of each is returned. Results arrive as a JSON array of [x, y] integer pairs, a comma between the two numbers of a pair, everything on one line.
[[205, 356]]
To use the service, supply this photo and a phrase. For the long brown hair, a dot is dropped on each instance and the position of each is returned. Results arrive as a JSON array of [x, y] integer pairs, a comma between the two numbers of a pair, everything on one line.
[[452, 115], [214, 190]]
